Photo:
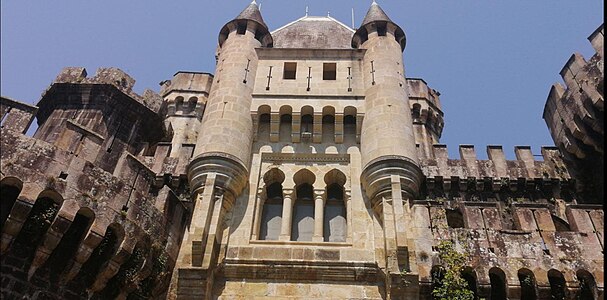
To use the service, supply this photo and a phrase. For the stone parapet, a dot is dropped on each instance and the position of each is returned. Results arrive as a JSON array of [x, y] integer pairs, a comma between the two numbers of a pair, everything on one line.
[[149, 227], [110, 76], [574, 116]]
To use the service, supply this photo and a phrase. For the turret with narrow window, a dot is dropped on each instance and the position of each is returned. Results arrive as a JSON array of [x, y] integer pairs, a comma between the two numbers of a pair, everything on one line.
[[391, 173]]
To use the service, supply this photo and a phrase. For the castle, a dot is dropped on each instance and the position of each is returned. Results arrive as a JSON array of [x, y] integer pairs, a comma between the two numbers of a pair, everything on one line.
[[307, 167]]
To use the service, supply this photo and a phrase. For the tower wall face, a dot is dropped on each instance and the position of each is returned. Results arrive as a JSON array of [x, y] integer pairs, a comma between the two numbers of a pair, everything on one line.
[[226, 125], [387, 129]]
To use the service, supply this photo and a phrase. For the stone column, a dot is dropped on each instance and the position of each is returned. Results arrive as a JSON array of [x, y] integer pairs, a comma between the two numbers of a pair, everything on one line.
[[348, 202], [258, 213], [319, 217], [287, 215]]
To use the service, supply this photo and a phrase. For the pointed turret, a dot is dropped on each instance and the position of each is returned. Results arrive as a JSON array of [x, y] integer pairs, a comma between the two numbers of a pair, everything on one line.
[[375, 14], [377, 20], [250, 14]]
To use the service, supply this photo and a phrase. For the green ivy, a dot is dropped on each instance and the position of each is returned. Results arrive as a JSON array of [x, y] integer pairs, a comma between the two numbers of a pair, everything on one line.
[[452, 286]]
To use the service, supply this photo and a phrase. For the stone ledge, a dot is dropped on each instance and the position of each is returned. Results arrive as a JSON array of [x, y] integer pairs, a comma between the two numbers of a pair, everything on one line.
[[360, 272], [296, 243]]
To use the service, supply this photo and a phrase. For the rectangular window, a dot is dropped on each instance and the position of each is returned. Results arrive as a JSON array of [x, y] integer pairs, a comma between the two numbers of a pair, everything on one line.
[[241, 28], [329, 71], [382, 30], [290, 71]]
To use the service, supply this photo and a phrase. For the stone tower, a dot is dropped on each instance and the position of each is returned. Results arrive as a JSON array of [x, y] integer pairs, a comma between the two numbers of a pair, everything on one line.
[[219, 170], [391, 172]]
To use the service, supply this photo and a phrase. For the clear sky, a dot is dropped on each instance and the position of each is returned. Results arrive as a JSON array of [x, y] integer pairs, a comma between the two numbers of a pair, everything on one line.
[[492, 61]]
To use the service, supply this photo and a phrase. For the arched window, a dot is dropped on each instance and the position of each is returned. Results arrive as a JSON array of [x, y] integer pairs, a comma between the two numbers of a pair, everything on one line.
[[350, 125], [303, 210], [328, 129], [455, 219], [328, 125], [469, 276], [307, 121], [527, 282], [286, 124], [10, 188], [587, 285], [335, 218], [271, 218], [263, 125], [498, 284], [557, 284]]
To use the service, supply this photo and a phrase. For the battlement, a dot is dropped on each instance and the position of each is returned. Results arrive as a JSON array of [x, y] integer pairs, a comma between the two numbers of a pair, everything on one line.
[[118, 207], [497, 167], [111, 76], [574, 115], [418, 89], [597, 40], [186, 81], [15, 115]]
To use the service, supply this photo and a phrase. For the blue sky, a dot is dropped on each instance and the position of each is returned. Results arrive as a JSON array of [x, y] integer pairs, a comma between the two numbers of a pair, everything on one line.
[[492, 61]]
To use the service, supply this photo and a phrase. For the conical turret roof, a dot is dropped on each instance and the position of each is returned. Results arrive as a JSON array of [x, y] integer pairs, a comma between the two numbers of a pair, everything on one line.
[[375, 13], [251, 13]]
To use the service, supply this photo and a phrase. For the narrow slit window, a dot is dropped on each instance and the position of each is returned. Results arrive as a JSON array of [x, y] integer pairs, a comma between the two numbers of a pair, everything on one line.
[[290, 71], [329, 71]]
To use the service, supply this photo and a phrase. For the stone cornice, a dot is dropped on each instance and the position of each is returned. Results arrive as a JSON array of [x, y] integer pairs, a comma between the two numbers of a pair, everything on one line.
[[305, 157]]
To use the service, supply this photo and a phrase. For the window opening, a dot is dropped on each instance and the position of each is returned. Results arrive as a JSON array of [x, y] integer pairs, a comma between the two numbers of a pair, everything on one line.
[[290, 71], [455, 219], [329, 71], [382, 29], [241, 28]]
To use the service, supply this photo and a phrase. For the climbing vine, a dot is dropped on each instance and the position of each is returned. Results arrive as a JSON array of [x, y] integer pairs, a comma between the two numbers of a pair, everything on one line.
[[449, 283]]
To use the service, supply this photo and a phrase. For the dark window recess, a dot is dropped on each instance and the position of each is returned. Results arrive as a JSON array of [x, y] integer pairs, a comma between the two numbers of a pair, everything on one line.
[[382, 29], [290, 71], [63, 175], [455, 219], [329, 71], [241, 28]]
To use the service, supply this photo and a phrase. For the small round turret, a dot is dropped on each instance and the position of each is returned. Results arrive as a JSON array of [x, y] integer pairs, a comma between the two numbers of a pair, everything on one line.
[[376, 19], [226, 134], [387, 140]]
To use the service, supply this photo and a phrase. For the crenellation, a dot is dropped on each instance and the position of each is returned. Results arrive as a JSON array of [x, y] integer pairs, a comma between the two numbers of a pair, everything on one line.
[[15, 115]]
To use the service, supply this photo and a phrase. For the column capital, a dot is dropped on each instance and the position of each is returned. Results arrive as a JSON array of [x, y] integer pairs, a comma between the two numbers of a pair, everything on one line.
[[288, 192]]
